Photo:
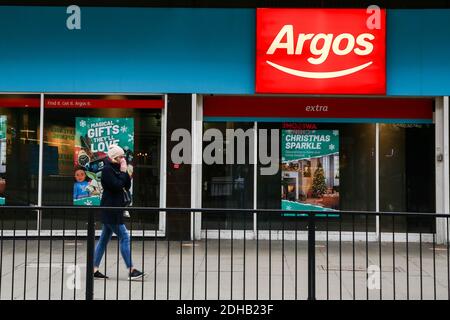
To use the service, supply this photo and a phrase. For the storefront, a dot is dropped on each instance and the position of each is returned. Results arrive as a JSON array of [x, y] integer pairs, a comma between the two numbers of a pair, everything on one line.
[[353, 143], [362, 125]]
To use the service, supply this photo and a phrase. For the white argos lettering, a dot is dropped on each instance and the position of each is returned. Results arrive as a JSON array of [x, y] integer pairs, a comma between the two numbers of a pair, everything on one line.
[[320, 47], [348, 48], [301, 41], [368, 46], [287, 30], [321, 44], [324, 51]]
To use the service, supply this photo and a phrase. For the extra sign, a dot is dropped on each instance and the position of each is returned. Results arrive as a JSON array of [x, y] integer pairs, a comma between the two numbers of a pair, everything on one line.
[[321, 51]]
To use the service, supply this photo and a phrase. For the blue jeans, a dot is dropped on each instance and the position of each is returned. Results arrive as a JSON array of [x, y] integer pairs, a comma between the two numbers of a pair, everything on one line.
[[107, 231]]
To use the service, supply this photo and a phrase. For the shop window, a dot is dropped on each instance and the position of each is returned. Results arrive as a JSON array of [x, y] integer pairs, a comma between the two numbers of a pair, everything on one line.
[[228, 185], [77, 133], [19, 158], [343, 179]]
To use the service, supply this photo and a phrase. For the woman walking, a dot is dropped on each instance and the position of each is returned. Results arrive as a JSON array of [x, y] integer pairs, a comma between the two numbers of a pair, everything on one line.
[[115, 180]]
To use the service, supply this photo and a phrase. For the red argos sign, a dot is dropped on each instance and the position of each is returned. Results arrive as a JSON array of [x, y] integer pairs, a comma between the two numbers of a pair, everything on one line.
[[321, 51]]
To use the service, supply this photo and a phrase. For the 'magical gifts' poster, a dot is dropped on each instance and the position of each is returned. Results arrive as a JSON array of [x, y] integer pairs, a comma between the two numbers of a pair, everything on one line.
[[93, 136]]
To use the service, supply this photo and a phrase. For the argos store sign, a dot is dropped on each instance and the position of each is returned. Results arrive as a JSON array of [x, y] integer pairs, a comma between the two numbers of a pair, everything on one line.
[[321, 51]]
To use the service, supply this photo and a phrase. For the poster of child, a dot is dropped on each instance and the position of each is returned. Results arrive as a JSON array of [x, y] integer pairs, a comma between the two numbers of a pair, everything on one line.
[[80, 185], [84, 186]]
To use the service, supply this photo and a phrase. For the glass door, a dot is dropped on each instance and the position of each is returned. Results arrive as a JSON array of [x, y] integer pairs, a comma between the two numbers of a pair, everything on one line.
[[407, 175]]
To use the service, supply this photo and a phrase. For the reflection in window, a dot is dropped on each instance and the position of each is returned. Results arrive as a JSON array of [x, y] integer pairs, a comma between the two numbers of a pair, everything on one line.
[[19, 156]]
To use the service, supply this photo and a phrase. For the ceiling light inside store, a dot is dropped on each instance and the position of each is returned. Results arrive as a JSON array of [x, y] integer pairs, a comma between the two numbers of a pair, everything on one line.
[[115, 97]]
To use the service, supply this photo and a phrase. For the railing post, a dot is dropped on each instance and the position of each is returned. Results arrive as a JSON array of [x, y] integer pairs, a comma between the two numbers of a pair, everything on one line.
[[311, 256], [90, 256]]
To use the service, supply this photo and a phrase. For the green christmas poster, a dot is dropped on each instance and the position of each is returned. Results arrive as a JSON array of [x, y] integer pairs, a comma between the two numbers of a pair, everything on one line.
[[310, 170], [93, 136]]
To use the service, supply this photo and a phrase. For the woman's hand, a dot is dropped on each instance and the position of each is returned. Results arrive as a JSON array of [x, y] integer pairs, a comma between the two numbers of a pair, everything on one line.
[[123, 165]]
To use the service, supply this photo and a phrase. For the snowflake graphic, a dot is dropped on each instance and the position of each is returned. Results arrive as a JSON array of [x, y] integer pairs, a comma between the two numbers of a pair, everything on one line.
[[124, 129], [288, 208], [335, 132], [88, 203], [331, 147], [83, 123], [131, 137]]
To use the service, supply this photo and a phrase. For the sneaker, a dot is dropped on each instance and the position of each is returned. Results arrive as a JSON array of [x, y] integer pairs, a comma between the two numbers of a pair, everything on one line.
[[99, 275], [136, 275]]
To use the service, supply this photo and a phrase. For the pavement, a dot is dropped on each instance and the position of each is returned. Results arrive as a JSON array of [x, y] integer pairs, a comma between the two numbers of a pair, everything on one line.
[[204, 270]]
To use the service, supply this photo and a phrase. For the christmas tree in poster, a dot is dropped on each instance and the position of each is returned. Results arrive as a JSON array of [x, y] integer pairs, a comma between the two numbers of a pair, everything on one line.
[[319, 186]]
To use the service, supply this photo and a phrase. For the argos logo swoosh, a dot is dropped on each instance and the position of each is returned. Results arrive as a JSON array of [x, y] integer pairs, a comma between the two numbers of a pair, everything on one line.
[[319, 75]]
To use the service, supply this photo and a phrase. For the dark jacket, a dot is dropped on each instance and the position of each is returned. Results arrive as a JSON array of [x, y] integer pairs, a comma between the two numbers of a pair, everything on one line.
[[113, 182]]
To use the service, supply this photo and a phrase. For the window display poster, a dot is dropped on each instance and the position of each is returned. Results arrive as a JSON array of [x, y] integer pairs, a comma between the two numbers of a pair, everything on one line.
[[93, 136], [3, 127], [310, 170], [61, 137]]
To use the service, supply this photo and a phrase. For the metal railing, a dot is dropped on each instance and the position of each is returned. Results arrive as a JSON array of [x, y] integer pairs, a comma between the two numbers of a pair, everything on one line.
[[284, 256]]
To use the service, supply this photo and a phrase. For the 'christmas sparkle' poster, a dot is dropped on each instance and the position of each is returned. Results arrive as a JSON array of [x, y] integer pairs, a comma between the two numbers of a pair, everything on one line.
[[310, 170]]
